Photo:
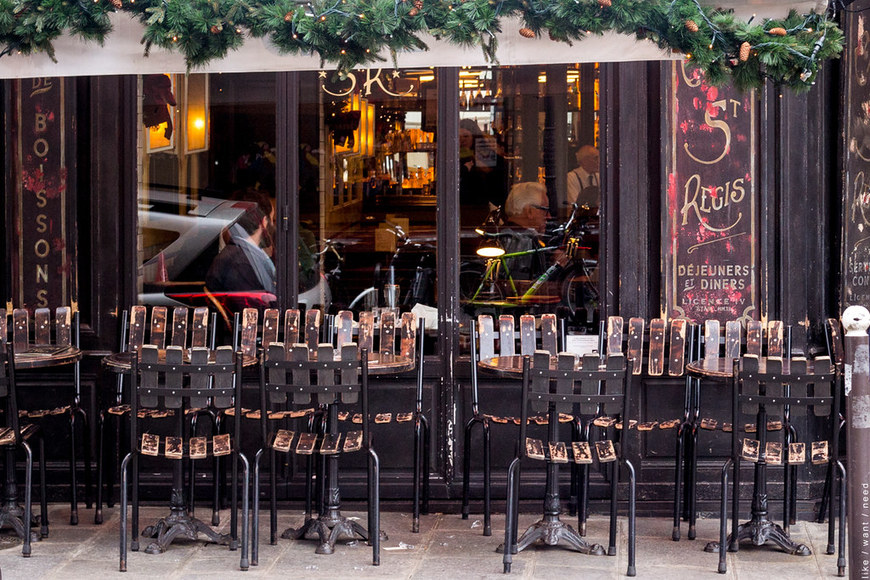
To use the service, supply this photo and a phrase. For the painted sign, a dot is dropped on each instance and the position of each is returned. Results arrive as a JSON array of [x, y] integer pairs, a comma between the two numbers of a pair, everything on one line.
[[42, 269], [710, 258], [856, 279]]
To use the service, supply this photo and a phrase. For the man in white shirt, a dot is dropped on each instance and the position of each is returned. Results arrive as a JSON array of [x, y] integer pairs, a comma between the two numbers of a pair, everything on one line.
[[582, 183]]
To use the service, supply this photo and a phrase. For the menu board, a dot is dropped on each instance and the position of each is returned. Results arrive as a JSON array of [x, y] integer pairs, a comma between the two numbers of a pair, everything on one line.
[[41, 265], [856, 239], [711, 242]]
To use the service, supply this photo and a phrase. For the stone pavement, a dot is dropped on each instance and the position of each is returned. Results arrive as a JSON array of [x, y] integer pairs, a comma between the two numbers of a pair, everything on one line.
[[447, 548]]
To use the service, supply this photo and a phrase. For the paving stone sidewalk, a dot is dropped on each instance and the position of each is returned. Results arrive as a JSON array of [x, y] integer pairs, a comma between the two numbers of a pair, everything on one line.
[[447, 547]]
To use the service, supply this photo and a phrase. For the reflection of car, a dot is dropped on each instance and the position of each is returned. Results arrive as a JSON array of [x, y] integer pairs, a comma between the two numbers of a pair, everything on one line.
[[180, 237]]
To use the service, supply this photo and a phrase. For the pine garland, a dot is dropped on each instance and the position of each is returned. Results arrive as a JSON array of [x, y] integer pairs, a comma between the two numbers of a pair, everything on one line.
[[353, 33]]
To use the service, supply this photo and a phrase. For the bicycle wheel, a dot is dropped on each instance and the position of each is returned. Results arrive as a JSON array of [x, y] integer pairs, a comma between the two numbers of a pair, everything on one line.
[[580, 294], [471, 285]]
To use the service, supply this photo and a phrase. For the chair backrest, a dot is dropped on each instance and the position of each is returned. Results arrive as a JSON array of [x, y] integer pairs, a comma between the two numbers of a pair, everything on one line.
[[512, 342], [668, 343], [183, 331], [594, 388], [293, 376], [208, 379], [61, 332]]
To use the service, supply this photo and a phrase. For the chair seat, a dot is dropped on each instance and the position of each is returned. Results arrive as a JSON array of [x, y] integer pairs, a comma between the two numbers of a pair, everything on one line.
[[7, 434], [192, 448]]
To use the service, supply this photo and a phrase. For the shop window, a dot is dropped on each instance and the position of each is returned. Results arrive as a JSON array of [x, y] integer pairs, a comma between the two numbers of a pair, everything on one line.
[[207, 191], [528, 151], [367, 200]]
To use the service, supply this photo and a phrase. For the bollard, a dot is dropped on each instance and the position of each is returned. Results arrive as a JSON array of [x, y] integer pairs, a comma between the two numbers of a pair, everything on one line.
[[856, 320]]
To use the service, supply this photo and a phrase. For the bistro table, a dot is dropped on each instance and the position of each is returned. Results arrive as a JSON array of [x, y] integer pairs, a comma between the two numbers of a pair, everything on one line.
[[11, 512], [760, 528], [550, 528], [179, 523]]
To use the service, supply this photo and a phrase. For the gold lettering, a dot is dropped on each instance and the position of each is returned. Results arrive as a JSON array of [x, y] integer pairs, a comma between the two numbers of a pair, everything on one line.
[[40, 122], [689, 82], [41, 85], [703, 201], [370, 80], [40, 147], [41, 199], [41, 248], [351, 78], [41, 223], [42, 273], [42, 296], [714, 124]]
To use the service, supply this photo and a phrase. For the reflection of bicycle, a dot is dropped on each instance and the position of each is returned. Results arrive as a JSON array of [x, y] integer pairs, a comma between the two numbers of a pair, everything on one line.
[[574, 275]]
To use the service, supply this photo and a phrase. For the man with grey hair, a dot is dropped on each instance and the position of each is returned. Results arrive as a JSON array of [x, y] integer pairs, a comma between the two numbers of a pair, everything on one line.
[[526, 211], [582, 182]]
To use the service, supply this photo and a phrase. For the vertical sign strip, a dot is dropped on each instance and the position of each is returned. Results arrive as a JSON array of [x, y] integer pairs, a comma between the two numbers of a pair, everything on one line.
[[41, 190], [710, 259]]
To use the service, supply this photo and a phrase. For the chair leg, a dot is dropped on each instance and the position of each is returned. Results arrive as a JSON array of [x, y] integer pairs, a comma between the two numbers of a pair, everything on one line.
[[123, 526], [678, 483], [255, 528], [418, 460], [829, 549], [426, 465], [244, 562], [374, 515], [28, 499], [487, 480], [101, 461], [273, 494], [510, 527], [234, 502], [466, 468], [723, 519], [87, 453], [134, 542], [614, 487], [735, 507], [73, 480], [632, 519], [216, 477], [693, 481]]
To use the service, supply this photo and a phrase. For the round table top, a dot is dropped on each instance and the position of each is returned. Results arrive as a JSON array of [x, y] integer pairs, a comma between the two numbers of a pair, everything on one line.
[[122, 361], [723, 368], [44, 356], [512, 365], [379, 363]]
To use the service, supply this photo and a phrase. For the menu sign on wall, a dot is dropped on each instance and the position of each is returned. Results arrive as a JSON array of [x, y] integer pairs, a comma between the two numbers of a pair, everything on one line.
[[710, 253], [856, 291], [42, 267]]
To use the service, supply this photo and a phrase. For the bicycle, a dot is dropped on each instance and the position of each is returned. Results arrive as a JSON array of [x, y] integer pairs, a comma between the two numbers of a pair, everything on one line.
[[494, 287]]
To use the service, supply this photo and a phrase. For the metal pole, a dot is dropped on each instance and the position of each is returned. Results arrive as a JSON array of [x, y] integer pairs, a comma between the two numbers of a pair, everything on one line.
[[856, 320]]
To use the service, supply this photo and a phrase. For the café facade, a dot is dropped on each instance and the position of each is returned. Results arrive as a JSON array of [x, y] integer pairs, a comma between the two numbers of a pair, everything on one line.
[[122, 173]]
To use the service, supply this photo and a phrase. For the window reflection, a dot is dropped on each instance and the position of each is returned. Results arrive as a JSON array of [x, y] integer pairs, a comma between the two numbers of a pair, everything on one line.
[[528, 152], [367, 186]]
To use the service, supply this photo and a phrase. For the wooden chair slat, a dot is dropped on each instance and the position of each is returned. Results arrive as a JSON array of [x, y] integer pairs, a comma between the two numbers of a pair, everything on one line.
[[63, 316], [42, 326], [486, 337], [549, 341], [20, 322], [677, 357], [635, 342], [408, 339], [366, 332], [775, 338], [248, 338], [614, 335], [158, 327], [506, 333], [137, 328], [312, 330], [291, 326], [344, 328], [388, 332], [527, 334], [711, 339], [199, 327], [753, 337], [733, 329], [178, 336], [656, 363]]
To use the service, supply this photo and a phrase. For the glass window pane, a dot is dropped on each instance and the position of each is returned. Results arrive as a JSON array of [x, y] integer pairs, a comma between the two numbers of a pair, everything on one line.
[[528, 140], [206, 191], [367, 187]]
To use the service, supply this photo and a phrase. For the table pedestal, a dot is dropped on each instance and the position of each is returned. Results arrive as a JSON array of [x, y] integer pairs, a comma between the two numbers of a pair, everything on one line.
[[760, 528], [330, 526], [550, 529], [12, 513], [179, 524]]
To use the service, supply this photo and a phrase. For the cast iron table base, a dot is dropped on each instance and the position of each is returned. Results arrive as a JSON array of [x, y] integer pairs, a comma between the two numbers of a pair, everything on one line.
[[179, 524]]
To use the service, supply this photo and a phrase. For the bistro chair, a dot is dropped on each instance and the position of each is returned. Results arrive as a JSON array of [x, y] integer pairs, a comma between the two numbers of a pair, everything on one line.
[[45, 337], [760, 385], [483, 348], [600, 390], [15, 435], [291, 378], [137, 330], [210, 379]]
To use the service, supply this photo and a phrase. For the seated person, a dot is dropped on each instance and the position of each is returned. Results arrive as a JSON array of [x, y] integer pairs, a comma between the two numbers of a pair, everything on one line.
[[243, 264], [582, 182], [526, 211]]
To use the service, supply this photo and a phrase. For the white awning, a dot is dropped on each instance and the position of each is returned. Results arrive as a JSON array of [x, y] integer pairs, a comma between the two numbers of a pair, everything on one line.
[[123, 53]]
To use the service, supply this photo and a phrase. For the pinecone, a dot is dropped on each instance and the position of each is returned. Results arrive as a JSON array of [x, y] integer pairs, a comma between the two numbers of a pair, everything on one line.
[[604, 3], [744, 51], [288, 17], [778, 31], [527, 33], [116, 3], [413, 11], [691, 26], [418, 4], [215, 29]]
